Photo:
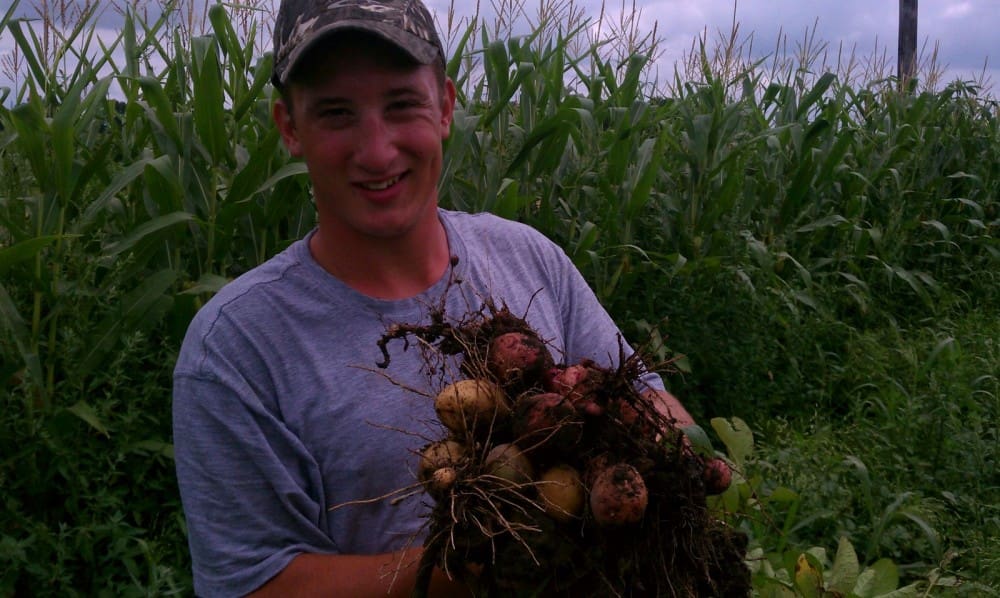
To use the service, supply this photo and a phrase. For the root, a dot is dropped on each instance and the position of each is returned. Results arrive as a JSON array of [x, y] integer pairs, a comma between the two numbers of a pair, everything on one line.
[[678, 548]]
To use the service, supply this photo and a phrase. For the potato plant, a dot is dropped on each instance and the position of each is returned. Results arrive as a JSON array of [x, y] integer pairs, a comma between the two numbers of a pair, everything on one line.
[[562, 478]]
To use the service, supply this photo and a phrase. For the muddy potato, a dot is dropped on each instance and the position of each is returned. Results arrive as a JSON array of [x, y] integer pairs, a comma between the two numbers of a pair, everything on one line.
[[471, 404], [626, 413], [548, 422], [438, 455], [578, 383], [442, 480], [508, 462], [518, 359], [717, 476], [618, 496], [562, 492]]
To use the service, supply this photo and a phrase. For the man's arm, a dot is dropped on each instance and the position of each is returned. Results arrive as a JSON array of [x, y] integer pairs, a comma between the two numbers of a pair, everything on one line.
[[717, 474], [668, 405], [357, 576]]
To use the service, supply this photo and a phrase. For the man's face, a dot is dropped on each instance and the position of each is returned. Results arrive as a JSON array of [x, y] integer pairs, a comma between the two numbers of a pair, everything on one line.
[[369, 126]]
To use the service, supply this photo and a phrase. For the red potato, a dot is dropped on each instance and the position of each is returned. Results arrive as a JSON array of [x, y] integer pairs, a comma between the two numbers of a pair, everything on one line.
[[546, 420], [632, 418], [577, 383], [518, 359], [618, 496], [717, 476]]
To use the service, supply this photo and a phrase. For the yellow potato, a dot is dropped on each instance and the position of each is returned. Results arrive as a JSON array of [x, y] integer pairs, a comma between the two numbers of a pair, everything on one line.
[[440, 454], [508, 462], [471, 405], [562, 492]]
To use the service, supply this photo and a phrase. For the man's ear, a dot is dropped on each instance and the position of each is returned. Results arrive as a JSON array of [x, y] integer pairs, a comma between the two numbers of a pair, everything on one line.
[[282, 115], [447, 107]]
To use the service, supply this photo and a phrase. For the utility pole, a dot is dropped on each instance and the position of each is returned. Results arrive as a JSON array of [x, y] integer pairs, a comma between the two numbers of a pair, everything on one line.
[[907, 66]]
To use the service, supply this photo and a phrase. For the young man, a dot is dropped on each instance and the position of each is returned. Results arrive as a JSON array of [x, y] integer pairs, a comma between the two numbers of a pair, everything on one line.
[[279, 411]]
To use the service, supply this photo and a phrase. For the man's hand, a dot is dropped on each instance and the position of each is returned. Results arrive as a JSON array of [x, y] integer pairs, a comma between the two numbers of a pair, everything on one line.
[[716, 475]]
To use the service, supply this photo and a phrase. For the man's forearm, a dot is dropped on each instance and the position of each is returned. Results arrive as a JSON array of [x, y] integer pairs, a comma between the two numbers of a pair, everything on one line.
[[379, 575], [668, 405]]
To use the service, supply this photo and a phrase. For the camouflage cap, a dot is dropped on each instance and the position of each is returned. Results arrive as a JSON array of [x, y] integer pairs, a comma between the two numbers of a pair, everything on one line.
[[301, 23]]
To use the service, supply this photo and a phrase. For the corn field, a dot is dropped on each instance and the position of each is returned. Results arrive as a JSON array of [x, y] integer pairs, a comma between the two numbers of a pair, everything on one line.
[[817, 247]]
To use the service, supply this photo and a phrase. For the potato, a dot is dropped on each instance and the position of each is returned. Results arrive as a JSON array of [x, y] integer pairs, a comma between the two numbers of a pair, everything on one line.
[[562, 492], [717, 476], [518, 359], [471, 405], [546, 421], [508, 462], [442, 480], [437, 455], [578, 384], [632, 418], [618, 496]]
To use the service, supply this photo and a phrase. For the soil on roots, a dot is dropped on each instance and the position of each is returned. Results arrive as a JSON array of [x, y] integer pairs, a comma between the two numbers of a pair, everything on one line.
[[493, 532]]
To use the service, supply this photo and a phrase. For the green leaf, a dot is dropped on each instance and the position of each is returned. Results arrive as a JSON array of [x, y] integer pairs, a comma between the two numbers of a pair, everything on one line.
[[808, 577], [208, 283], [292, 169], [26, 250], [14, 326], [261, 78], [827, 222], [880, 578], [648, 158], [161, 114], [783, 494], [259, 164], [738, 438], [939, 227], [32, 131], [845, 570], [140, 309], [145, 230], [699, 440], [911, 591], [913, 281], [153, 447], [121, 180], [87, 413], [209, 97]]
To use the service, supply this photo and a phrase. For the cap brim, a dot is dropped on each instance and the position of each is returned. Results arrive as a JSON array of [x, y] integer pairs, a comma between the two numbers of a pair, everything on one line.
[[416, 48]]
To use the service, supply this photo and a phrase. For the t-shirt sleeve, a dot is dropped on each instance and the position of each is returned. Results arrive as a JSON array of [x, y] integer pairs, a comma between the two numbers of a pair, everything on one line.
[[248, 487]]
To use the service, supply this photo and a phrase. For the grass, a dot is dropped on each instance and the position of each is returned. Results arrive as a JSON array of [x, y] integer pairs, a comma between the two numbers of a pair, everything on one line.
[[818, 243]]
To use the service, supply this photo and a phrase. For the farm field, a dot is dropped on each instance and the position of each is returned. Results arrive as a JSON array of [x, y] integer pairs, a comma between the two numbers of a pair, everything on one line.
[[816, 252]]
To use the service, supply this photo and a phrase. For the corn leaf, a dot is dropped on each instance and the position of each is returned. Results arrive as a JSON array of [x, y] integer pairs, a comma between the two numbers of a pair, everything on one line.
[[140, 309], [25, 250], [86, 412], [209, 114], [145, 230], [126, 176]]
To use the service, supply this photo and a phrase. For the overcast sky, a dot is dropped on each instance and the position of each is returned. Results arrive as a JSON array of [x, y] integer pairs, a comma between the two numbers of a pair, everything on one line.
[[967, 30]]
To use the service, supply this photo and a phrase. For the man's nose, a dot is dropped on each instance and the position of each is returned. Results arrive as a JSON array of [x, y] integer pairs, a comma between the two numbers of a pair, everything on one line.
[[376, 144]]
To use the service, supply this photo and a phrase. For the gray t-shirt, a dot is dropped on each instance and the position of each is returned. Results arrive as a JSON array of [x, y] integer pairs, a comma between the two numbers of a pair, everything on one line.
[[281, 413]]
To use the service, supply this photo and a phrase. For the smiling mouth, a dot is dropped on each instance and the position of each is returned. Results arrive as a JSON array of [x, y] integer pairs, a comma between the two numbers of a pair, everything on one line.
[[381, 185]]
